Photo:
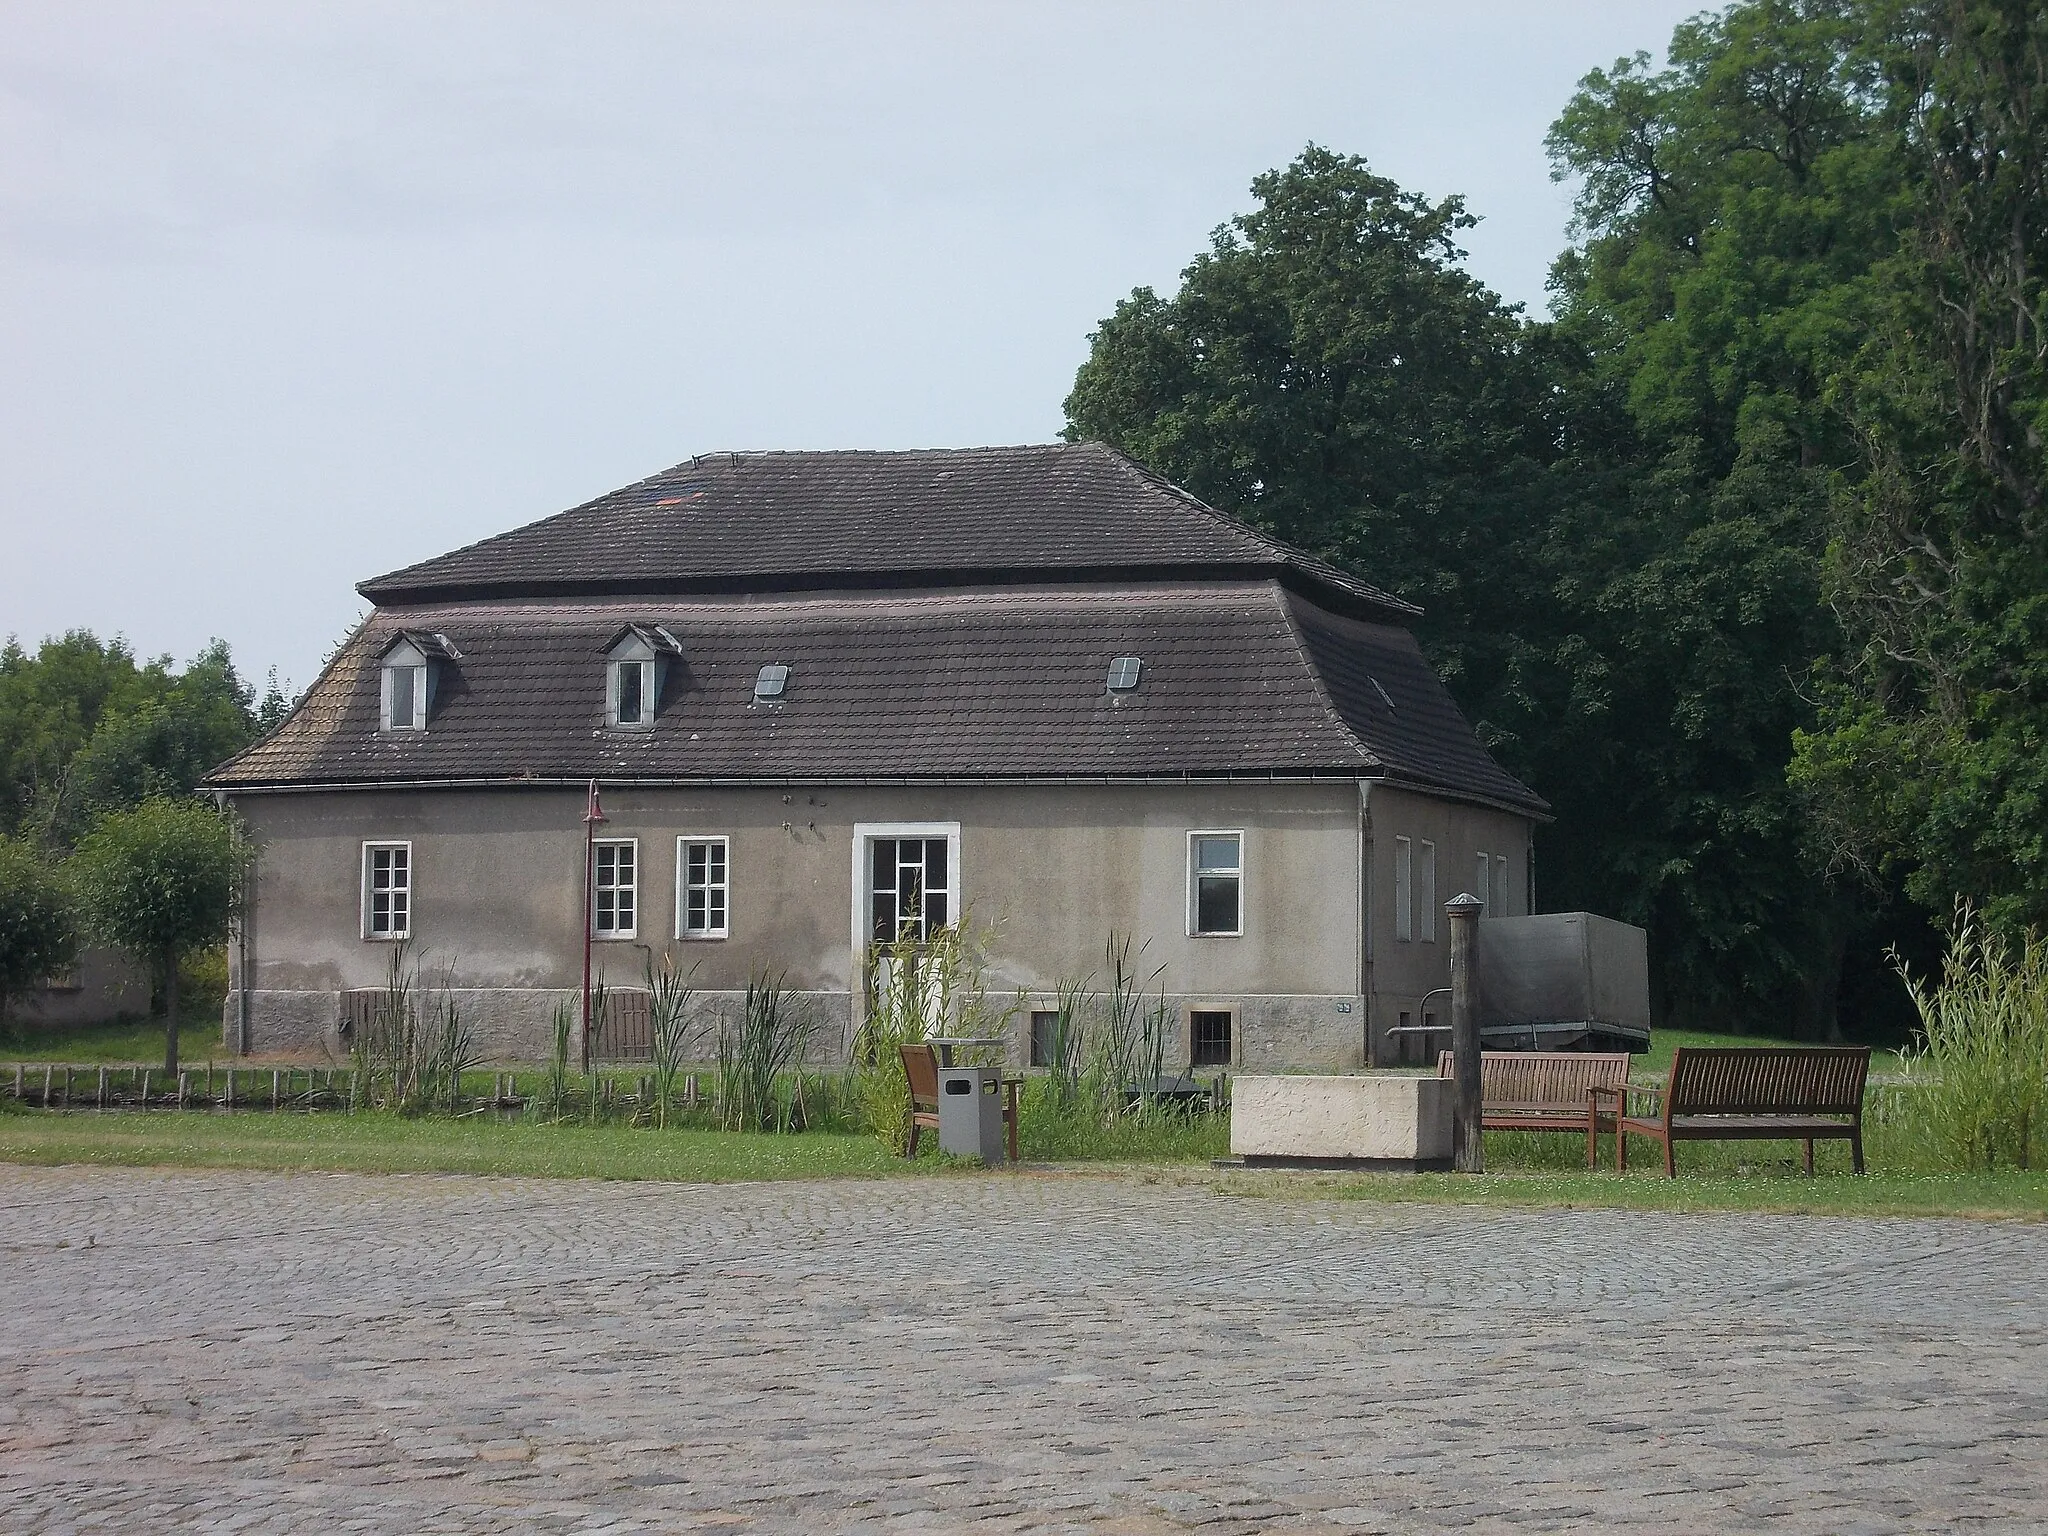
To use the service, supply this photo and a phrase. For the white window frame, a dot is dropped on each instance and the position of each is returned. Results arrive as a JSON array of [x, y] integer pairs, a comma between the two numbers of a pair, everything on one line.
[[649, 685], [1428, 933], [404, 656], [865, 835], [723, 887], [631, 930], [1404, 889], [1483, 871], [372, 847], [1195, 931]]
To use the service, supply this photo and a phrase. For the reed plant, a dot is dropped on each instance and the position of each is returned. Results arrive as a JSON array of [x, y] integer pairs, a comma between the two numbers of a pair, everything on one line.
[[552, 1102], [1979, 1069], [669, 996], [1075, 1004], [915, 989], [756, 1050], [1130, 1047]]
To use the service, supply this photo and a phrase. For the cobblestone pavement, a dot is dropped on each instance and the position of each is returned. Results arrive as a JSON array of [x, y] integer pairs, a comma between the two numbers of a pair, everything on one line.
[[1024, 1353]]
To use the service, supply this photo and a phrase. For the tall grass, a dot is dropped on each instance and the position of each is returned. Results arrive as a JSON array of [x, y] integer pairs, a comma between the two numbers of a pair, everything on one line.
[[1979, 1070], [1130, 1047], [410, 1056], [669, 1002], [756, 1050], [916, 989]]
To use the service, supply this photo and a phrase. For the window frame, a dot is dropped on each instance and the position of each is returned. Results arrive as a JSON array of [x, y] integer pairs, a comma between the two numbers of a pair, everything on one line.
[[684, 842], [601, 935], [650, 692], [1428, 849], [1483, 872], [1404, 889], [1194, 875], [404, 656], [1229, 1016], [365, 912], [865, 835]]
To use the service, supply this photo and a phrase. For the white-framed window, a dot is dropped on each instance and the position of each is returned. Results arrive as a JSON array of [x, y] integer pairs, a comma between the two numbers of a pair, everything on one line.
[[703, 887], [404, 695], [1404, 888], [910, 887], [1215, 884], [633, 675], [1483, 874], [387, 890], [1426, 891], [630, 699], [614, 888]]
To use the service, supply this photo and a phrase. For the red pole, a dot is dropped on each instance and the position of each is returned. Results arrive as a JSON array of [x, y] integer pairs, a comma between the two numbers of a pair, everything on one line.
[[591, 818]]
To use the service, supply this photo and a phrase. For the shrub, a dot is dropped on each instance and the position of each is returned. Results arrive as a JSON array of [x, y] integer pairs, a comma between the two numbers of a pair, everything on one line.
[[38, 936]]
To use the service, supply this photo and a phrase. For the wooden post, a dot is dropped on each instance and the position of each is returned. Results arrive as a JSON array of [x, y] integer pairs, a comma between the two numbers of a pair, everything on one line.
[[99, 1099], [229, 1101], [47, 1070], [67, 1087], [1467, 1150], [17, 1082], [145, 1087], [275, 1097], [182, 1088]]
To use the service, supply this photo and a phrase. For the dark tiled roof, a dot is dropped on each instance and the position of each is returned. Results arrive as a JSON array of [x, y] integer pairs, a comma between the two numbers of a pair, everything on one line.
[[1387, 693], [983, 683], [754, 522]]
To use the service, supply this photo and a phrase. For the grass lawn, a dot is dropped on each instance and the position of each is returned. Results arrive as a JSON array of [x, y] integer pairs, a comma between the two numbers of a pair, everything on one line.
[[127, 1040], [1761, 1178], [387, 1144]]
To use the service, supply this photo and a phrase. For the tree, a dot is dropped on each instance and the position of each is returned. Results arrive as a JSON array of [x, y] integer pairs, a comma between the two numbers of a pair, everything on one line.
[[160, 881], [1930, 756], [37, 935], [84, 730]]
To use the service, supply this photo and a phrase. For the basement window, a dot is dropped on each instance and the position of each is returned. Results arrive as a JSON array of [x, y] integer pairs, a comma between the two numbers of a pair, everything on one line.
[[1209, 1038]]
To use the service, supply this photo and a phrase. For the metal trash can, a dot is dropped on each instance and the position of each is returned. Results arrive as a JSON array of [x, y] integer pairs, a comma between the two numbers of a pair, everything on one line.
[[971, 1113]]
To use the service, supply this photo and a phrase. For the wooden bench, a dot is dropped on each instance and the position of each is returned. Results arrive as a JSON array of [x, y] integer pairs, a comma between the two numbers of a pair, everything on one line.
[[1753, 1093], [1545, 1090]]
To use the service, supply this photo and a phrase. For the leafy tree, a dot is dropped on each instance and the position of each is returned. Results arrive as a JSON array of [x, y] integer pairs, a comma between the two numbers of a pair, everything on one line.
[[1328, 372], [37, 934], [1928, 757], [84, 730], [160, 881]]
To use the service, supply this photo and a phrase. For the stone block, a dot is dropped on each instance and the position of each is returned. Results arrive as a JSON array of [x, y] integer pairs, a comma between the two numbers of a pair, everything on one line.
[[1376, 1119]]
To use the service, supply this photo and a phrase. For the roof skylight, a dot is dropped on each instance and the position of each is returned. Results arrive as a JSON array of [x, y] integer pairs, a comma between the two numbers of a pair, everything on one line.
[[1123, 674], [771, 682]]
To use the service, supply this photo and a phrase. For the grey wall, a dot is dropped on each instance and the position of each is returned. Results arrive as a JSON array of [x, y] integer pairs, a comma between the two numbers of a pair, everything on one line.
[[1403, 972], [1047, 872]]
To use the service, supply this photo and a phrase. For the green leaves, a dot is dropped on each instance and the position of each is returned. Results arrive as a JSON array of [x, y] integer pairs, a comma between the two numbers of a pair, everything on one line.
[[161, 880], [38, 934]]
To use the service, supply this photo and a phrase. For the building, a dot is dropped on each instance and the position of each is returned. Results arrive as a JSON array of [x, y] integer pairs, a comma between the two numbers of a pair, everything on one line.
[[835, 696]]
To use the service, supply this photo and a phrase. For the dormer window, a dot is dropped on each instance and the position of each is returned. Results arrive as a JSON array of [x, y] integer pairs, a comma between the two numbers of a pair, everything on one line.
[[408, 684], [635, 664]]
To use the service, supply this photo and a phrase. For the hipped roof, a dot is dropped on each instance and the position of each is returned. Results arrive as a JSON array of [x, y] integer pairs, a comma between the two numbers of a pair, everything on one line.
[[1241, 678], [765, 522]]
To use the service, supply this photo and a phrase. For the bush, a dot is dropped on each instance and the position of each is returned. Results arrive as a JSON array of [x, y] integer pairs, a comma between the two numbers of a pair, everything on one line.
[[38, 936]]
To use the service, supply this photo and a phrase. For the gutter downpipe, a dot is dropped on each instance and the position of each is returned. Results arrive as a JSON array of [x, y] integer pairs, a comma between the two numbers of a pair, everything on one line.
[[221, 803], [1365, 950]]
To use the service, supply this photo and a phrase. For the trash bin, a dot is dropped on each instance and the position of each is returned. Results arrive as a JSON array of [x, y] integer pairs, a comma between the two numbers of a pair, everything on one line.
[[971, 1113]]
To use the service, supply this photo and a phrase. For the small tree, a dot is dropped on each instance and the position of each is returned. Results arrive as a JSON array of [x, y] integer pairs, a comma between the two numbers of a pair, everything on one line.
[[159, 882], [37, 935]]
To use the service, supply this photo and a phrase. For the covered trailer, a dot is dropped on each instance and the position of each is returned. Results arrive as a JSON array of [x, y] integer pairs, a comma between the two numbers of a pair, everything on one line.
[[1563, 981]]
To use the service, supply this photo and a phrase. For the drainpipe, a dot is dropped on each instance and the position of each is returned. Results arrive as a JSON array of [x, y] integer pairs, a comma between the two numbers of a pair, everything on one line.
[[1365, 951], [591, 818]]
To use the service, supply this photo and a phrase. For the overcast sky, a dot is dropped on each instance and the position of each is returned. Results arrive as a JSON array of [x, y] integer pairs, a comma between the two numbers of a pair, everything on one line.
[[293, 294]]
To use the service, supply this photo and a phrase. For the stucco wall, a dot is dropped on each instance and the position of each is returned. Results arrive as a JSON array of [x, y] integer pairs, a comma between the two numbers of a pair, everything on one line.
[[1046, 872], [1403, 972]]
